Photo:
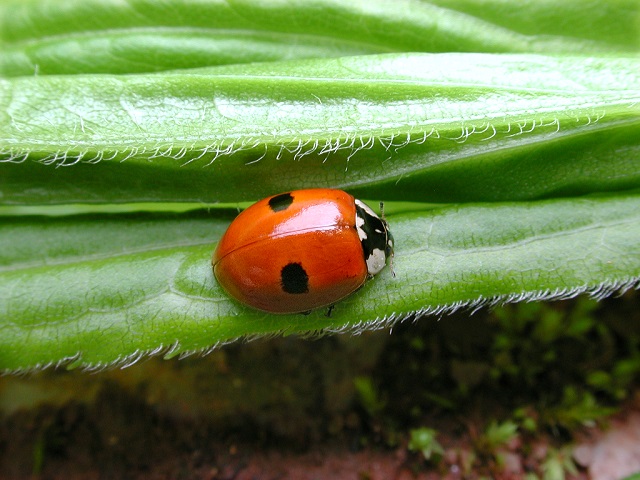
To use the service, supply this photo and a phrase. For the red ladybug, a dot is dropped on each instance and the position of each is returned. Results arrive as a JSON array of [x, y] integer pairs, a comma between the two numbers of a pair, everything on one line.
[[301, 250]]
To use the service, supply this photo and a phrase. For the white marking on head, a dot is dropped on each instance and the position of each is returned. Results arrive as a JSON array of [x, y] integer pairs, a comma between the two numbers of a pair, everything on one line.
[[376, 261], [366, 208], [360, 220]]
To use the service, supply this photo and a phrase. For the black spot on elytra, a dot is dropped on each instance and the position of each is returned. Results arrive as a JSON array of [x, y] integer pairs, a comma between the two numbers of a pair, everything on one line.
[[294, 279], [280, 202]]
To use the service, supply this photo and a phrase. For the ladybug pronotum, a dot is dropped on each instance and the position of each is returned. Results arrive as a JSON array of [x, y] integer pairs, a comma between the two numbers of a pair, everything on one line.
[[301, 250]]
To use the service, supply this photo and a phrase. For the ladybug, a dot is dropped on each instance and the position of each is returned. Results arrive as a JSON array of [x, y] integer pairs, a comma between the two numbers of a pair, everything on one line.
[[301, 250]]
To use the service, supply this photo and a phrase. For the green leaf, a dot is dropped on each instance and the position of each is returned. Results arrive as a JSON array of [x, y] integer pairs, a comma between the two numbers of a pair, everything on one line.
[[421, 127], [523, 168], [112, 36], [102, 290]]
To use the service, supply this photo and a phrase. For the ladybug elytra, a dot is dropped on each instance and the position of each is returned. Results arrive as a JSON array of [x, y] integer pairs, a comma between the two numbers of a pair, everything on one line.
[[301, 250]]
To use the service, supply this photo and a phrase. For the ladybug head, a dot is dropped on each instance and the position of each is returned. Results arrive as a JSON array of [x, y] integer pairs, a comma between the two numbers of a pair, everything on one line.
[[376, 239]]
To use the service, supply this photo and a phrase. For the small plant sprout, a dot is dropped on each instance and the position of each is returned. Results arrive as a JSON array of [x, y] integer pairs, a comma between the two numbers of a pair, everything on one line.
[[368, 396], [558, 464], [499, 434], [423, 440]]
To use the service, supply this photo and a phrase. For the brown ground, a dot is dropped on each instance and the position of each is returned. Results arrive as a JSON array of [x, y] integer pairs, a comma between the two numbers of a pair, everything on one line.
[[289, 408]]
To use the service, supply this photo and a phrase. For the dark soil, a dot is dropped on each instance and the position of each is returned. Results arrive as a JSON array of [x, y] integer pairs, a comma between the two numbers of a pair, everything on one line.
[[338, 407]]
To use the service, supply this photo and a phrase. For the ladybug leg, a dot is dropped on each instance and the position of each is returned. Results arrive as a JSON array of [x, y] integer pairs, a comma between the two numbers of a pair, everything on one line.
[[308, 312], [329, 310], [393, 272]]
